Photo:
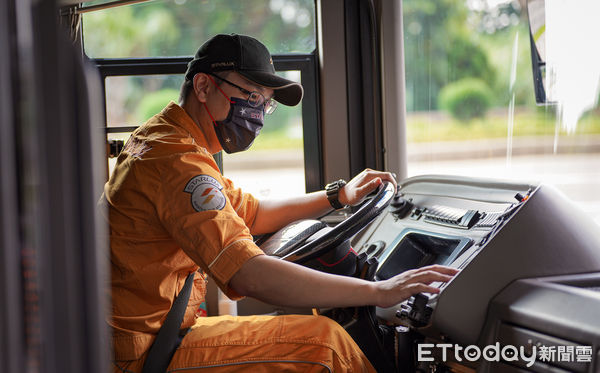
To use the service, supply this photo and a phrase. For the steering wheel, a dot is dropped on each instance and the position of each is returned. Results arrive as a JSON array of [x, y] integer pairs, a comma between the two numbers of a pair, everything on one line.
[[346, 229], [304, 240]]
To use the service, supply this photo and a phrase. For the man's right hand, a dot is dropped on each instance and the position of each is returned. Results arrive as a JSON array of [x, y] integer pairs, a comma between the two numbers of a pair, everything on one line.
[[401, 287]]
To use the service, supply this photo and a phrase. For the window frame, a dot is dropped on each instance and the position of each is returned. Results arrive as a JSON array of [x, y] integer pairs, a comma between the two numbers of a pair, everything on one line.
[[305, 63]]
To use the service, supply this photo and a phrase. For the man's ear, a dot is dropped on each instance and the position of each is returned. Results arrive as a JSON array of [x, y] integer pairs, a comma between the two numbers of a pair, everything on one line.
[[201, 86]]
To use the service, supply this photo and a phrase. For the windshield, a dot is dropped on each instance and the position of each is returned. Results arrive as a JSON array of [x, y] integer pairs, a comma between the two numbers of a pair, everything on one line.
[[470, 97]]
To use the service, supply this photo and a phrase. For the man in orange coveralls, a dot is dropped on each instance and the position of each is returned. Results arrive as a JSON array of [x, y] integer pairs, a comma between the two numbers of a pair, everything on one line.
[[171, 212]]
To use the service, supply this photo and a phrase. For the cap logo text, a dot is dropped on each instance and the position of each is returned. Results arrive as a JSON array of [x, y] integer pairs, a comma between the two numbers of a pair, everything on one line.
[[223, 64]]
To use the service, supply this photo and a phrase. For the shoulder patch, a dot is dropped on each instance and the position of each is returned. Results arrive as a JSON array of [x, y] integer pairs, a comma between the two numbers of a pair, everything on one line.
[[205, 193]]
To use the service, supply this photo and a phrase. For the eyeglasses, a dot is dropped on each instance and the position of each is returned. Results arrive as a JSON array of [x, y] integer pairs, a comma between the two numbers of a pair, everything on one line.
[[255, 98]]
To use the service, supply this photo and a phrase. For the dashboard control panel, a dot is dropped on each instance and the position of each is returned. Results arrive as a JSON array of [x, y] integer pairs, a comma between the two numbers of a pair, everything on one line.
[[495, 232]]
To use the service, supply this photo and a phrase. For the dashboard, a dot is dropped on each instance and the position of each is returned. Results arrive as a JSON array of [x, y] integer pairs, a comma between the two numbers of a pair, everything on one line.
[[498, 233]]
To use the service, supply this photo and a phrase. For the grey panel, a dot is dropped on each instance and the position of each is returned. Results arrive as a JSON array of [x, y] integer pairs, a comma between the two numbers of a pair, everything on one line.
[[62, 171], [394, 106], [537, 235], [546, 236], [563, 310], [475, 189], [12, 346], [509, 334], [332, 74]]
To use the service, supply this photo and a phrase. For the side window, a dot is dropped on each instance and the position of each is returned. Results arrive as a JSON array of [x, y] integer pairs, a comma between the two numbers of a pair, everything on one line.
[[138, 49], [471, 107], [132, 99]]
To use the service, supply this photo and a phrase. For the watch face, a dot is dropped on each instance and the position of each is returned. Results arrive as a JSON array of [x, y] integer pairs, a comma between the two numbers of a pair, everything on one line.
[[332, 188], [336, 185]]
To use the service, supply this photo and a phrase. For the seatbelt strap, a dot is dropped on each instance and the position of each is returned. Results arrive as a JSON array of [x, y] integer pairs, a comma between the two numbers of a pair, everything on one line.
[[166, 342]]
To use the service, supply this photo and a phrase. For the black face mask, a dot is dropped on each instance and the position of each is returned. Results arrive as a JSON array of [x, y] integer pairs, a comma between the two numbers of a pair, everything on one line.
[[243, 123]]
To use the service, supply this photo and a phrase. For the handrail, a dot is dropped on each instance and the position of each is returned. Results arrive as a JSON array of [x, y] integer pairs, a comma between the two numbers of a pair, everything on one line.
[[92, 8]]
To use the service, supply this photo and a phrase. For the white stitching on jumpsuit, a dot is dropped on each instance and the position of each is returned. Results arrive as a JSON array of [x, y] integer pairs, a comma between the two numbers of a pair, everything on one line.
[[226, 247]]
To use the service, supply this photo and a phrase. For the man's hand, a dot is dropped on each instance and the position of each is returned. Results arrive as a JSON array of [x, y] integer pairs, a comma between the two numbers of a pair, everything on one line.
[[362, 184], [401, 287]]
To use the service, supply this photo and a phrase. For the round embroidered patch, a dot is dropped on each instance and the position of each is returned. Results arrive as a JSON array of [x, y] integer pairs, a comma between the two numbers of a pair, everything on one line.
[[205, 193]]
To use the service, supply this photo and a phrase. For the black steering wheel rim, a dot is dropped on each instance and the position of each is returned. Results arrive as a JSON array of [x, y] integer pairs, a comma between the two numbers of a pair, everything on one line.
[[346, 229]]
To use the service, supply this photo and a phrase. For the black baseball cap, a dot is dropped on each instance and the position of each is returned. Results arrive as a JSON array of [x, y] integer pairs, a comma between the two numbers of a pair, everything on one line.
[[248, 57]]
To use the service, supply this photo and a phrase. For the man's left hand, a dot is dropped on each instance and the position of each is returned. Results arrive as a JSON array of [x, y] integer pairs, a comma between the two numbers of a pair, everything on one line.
[[362, 184]]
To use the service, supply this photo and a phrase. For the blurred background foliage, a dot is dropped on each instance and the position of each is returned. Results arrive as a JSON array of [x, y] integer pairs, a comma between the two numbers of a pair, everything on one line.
[[449, 40], [466, 61], [466, 99], [447, 43], [177, 28]]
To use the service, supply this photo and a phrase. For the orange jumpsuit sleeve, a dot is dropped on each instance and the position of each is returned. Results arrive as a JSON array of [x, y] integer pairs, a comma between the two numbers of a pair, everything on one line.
[[195, 208], [244, 204]]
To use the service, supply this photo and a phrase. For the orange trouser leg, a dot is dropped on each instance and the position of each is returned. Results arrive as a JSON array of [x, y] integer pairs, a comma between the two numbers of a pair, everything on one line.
[[292, 343]]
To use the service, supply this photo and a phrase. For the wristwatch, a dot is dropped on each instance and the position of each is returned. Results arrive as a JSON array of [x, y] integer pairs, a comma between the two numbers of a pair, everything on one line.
[[333, 191]]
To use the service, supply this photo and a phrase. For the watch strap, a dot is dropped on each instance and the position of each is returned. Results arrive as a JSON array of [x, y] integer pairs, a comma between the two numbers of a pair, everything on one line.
[[333, 191]]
